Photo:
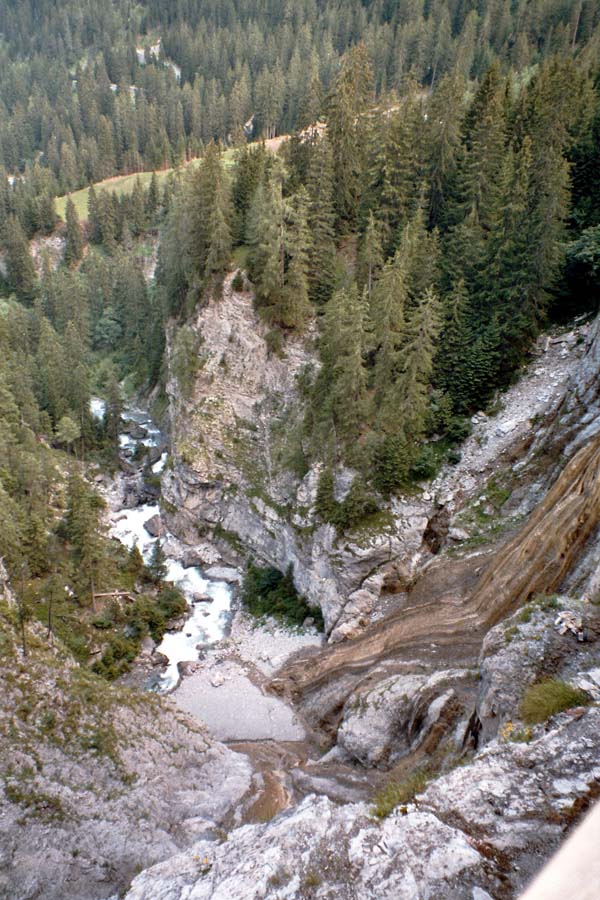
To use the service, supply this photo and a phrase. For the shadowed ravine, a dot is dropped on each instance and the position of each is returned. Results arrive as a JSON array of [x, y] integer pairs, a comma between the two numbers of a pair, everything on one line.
[[455, 602]]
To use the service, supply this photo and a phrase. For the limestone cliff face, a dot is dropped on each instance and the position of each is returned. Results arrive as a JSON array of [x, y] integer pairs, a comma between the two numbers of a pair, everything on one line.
[[230, 484], [232, 492]]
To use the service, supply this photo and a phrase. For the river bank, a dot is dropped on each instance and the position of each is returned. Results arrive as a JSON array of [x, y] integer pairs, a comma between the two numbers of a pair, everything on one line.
[[217, 659]]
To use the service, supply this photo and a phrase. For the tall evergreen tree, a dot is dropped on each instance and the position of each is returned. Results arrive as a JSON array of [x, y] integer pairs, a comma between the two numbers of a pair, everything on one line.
[[295, 307], [321, 221], [74, 238], [350, 96], [20, 271]]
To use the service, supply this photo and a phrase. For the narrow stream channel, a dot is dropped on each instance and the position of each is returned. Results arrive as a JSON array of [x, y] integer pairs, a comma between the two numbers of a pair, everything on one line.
[[209, 601]]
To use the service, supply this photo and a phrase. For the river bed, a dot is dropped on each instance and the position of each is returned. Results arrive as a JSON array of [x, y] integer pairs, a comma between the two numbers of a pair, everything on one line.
[[209, 601], [230, 657]]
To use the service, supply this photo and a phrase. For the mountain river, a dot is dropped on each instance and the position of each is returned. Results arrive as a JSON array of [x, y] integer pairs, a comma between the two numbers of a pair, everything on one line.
[[209, 601]]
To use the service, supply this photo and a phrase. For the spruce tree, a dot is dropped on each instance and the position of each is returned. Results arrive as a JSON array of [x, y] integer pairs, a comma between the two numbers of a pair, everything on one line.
[[74, 238], [295, 307], [219, 247], [351, 94], [95, 232], [370, 256], [20, 271], [209, 216], [403, 170], [152, 200], [388, 315], [321, 221], [157, 565], [411, 390], [443, 145], [342, 385], [266, 257]]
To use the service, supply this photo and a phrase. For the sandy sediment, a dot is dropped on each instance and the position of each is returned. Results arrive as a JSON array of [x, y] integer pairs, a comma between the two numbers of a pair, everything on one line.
[[225, 689]]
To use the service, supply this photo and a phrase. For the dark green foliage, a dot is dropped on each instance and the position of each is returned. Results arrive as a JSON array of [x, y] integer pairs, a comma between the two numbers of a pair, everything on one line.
[[20, 272], [135, 562], [147, 615], [426, 228], [157, 566], [74, 239], [392, 464], [425, 465], [358, 504], [58, 71], [325, 503], [579, 291], [268, 592]]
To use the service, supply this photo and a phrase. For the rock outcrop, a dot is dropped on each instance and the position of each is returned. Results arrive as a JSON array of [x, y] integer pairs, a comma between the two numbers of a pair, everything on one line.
[[230, 484], [480, 831], [399, 715], [97, 782], [529, 646], [456, 601]]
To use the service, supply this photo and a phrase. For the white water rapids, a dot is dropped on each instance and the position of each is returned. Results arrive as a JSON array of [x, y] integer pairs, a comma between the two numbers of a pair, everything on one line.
[[209, 616]]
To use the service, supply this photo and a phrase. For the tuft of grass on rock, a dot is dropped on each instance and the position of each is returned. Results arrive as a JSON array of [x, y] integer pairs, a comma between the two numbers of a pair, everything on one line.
[[399, 793], [549, 697]]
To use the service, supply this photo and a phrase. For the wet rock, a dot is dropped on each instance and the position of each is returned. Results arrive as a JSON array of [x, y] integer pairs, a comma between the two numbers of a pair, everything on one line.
[[134, 430], [154, 526], [381, 725], [159, 659], [187, 668], [397, 578], [199, 597], [437, 529], [153, 454]]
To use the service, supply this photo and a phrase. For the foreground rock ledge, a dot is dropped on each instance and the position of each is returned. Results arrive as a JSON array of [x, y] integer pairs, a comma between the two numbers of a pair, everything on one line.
[[484, 828]]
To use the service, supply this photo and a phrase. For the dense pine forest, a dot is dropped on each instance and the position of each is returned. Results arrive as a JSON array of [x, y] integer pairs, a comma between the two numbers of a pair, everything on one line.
[[436, 204]]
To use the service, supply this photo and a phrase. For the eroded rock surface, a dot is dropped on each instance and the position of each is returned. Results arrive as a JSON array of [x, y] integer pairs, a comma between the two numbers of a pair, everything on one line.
[[98, 782], [486, 826], [381, 725]]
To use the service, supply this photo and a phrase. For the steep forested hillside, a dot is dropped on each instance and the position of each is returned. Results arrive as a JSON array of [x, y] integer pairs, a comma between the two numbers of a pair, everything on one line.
[[429, 238], [436, 202]]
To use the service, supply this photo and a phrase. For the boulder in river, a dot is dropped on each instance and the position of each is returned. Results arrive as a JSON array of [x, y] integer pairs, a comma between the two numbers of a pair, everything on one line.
[[224, 573], [200, 555], [135, 431], [159, 659], [154, 526]]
